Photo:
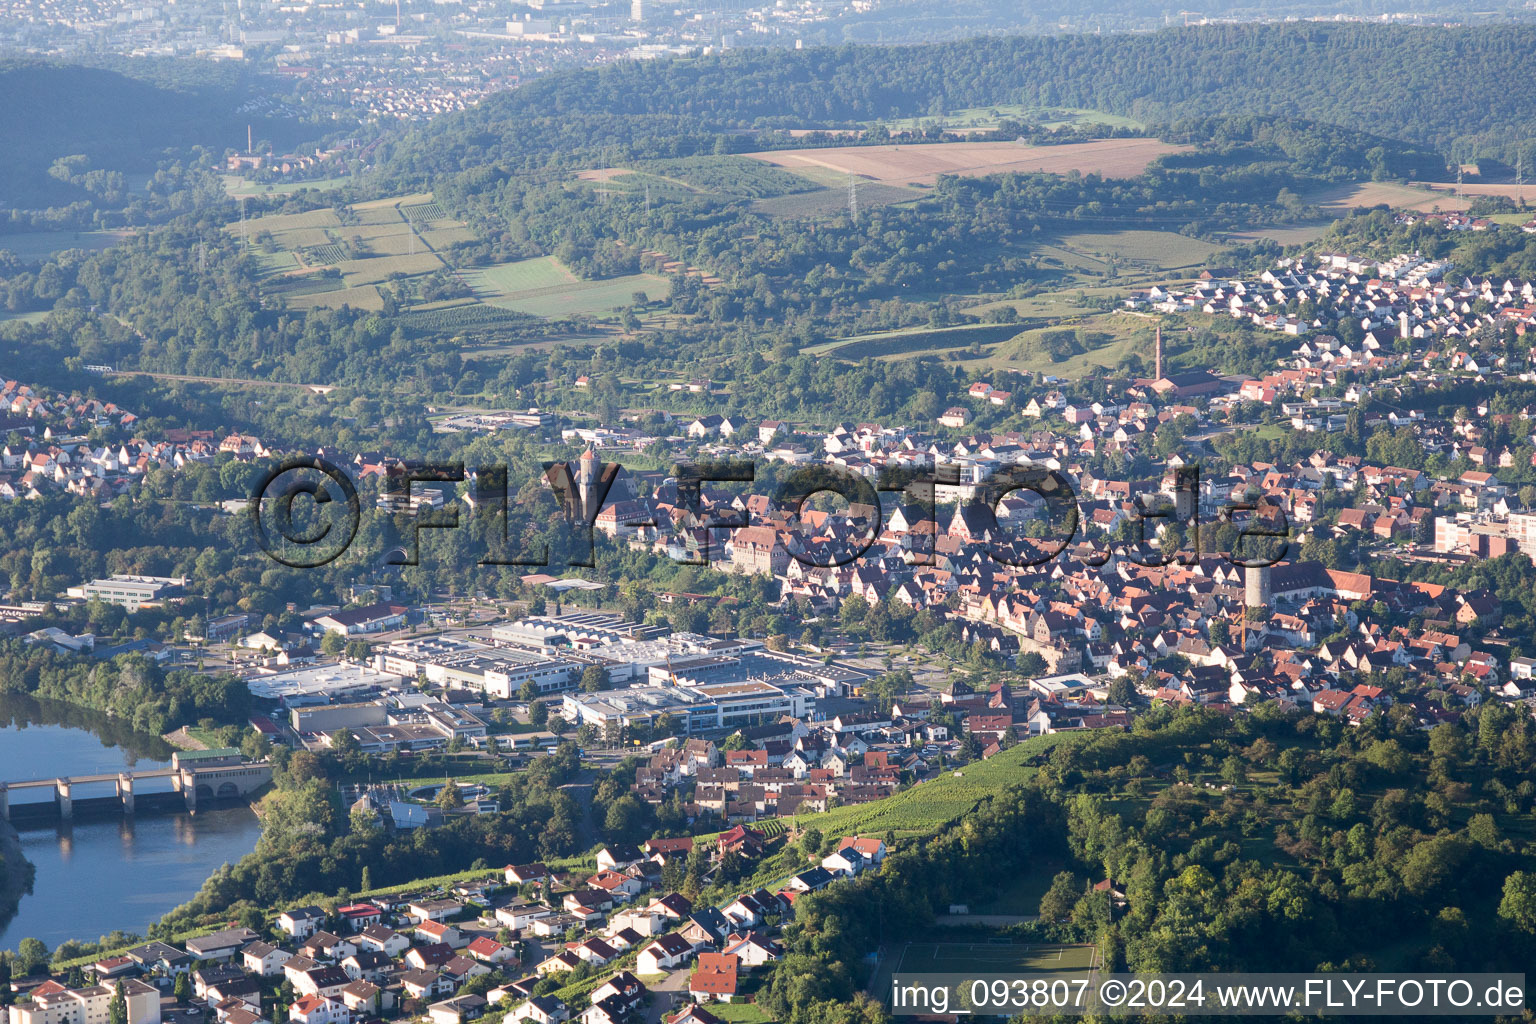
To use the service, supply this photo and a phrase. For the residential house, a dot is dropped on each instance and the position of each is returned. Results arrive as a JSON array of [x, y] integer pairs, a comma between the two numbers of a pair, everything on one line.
[[714, 978], [264, 959]]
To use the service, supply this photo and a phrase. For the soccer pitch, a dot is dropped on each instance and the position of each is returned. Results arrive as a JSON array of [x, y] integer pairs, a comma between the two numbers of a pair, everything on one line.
[[991, 958]]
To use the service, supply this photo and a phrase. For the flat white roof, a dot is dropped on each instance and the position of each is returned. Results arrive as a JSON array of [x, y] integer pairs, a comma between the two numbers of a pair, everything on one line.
[[320, 679]]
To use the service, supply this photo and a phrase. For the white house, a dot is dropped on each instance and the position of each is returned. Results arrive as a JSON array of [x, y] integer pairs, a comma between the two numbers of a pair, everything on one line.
[[844, 863], [264, 959], [752, 949], [301, 922], [542, 1010], [319, 1010], [665, 954]]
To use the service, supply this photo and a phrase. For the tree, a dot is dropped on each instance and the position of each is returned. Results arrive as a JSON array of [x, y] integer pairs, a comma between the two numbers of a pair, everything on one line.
[[1518, 905], [1122, 691], [538, 714], [344, 742], [449, 798], [117, 1009], [1232, 771], [333, 643], [624, 817], [593, 679], [1484, 831], [255, 746], [1060, 898], [183, 988], [30, 956]]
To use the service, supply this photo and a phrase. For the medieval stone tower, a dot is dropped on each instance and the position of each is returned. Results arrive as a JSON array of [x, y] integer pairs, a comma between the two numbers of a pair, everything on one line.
[[1256, 592]]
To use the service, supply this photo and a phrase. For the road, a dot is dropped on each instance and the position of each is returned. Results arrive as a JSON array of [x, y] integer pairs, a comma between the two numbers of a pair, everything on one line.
[[666, 994]]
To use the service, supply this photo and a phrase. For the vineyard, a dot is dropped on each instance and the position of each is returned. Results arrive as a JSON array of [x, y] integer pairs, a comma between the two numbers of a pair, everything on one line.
[[468, 318], [325, 255], [319, 259], [920, 810], [424, 213]]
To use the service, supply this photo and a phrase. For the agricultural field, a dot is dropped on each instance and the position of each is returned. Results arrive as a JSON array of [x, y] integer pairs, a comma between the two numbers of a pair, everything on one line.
[[395, 239], [377, 270], [1138, 250], [507, 279], [922, 164], [390, 242], [824, 202], [441, 234], [461, 318], [1058, 302], [1291, 234], [372, 243], [1451, 190], [363, 297], [423, 212], [630, 181], [235, 185], [1339, 200], [736, 176], [544, 287], [276, 262], [280, 225], [31, 245]]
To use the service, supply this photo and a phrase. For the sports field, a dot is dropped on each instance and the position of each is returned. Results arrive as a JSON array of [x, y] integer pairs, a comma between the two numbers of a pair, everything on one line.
[[997, 957]]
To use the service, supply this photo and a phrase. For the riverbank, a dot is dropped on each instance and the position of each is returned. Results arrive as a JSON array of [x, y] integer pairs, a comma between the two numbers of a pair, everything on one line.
[[16, 880], [101, 871], [181, 739]]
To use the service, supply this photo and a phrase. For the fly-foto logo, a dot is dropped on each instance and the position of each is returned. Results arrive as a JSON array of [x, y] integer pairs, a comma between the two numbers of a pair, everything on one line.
[[305, 513]]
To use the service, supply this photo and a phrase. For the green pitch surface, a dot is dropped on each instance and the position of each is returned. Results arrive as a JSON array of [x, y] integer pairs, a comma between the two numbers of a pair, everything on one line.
[[991, 958]]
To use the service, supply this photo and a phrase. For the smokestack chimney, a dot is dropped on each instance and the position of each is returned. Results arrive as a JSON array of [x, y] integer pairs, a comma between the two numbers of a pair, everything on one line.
[[1157, 372], [249, 148]]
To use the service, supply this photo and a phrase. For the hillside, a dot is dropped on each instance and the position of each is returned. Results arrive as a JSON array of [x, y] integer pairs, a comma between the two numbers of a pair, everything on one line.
[[1450, 91], [119, 121]]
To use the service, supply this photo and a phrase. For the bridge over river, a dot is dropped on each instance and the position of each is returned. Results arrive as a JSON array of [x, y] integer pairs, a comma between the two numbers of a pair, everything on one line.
[[203, 775]]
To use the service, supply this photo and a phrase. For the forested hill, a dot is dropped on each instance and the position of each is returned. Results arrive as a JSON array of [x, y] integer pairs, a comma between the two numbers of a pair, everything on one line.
[[120, 119], [1459, 90]]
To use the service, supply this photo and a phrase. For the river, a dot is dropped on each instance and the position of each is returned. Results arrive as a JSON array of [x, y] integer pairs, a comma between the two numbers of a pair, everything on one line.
[[105, 871]]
